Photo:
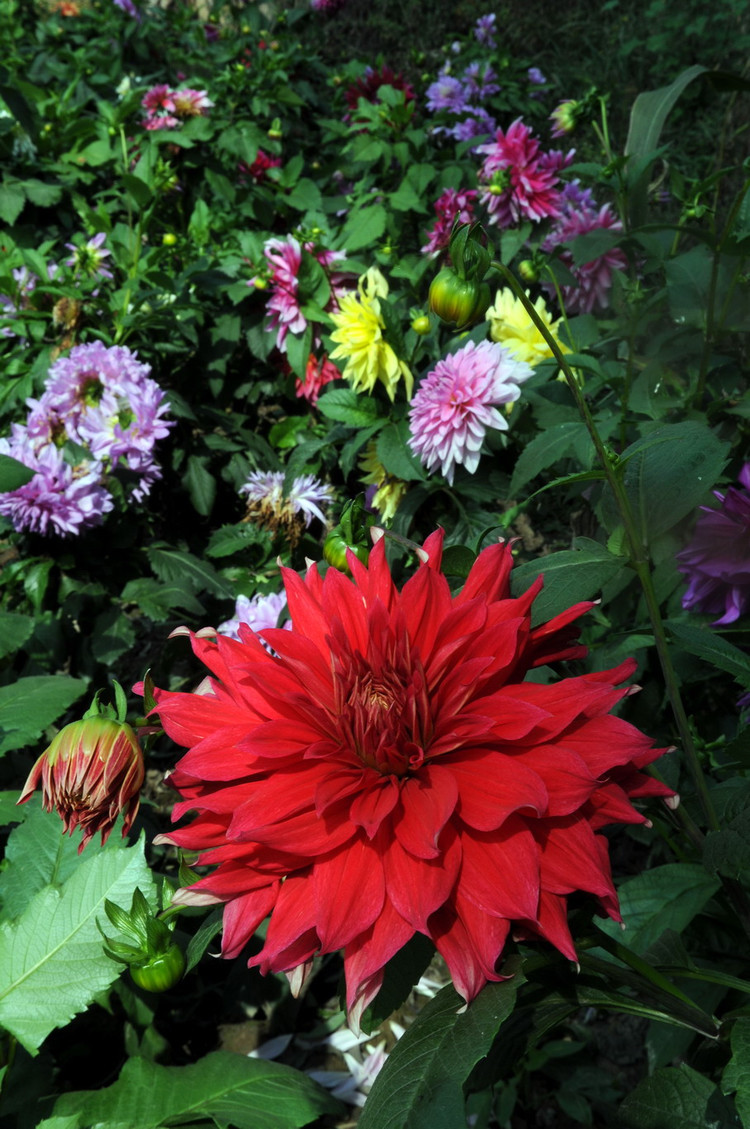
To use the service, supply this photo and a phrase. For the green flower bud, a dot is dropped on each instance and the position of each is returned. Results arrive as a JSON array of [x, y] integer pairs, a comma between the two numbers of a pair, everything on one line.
[[460, 302]]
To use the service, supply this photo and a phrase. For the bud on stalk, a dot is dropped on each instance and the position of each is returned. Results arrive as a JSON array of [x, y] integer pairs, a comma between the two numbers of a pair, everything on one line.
[[458, 294], [92, 771]]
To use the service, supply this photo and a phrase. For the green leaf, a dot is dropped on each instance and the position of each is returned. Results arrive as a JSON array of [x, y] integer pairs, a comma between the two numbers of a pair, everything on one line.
[[553, 444], [650, 111], [401, 974], [234, 538], [31, 704], [728, 850], [667, 897], [10, 812], [395, 454], [230, 1089], [200, 484], [420, 1086], [113, 635], [677, 1097], [158, 601], [713, 649], [736, 1076], [347, 406], [200, 940], [15, 629], [569, 577], [13, 474], [51, 960], [179, 566], [363, 227], [38, 854], [137, 190], [12, 200], [670, 471]]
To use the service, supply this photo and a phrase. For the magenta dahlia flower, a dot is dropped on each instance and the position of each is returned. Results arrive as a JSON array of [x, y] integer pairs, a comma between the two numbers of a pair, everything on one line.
[[450, 206], [717, 560], [284, 257], [390, 771], [453, 406], [594, 278], [517, 181]]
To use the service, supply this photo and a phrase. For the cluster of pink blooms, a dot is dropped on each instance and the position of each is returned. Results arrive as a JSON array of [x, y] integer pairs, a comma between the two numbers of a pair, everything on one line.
[[26, 283], [284, 258], [167, 108], [454, 405], [518, 181], [329, 6], [580, 215], [450, 206], [99, 412]]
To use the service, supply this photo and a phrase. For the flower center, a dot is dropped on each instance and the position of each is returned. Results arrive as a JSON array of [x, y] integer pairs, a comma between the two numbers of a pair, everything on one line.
[[383, 714]]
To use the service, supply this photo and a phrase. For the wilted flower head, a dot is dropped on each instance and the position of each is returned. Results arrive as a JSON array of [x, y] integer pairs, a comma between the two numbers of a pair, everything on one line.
[[258, 613], [259, 168], [269, 506], [390, 771], [454, 405], [92, 771], [450, 206], [518, 182], [511, 325], [360, 339], [717, 560]]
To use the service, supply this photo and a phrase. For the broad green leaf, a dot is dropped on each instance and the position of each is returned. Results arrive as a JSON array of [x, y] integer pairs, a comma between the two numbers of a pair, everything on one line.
[[677, 1097], [158, 601], [113, 634], [31, 704], [347, 406], [553, 444], [12, 200], [420, 1086], [246, 1093], [10, 812], [182, 567], [650, 111], [13, 474], [200, 484], [233, 538], [395, 454], [716, 651], [38, 854], [728, 850], [363, 227], [14, 631], [402, 972], [670, 471], [667, 897], [52, 964], [570, 576], [736, 1076]]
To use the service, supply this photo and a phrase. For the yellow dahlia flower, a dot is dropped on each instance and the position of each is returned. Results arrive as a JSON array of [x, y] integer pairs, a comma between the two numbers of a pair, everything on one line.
[[360, 342], [511, 325], [390, 490]]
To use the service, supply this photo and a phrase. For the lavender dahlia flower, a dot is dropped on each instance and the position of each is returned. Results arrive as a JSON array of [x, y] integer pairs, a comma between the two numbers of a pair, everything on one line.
[[262, 611], [717, 560], [453, 406], [267, 504], [60, 498]]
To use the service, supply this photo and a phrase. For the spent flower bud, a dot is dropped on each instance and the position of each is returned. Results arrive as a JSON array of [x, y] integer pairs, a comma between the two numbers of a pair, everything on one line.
[[92, 771]]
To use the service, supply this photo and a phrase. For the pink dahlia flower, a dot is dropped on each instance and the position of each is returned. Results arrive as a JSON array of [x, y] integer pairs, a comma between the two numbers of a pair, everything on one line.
[[390, 771], [284, 257], [453, 406], [450, 206], [517, 181], [594, 278], [717, 560]]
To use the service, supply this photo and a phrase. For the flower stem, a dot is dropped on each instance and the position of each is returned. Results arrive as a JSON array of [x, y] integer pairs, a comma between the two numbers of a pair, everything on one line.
[[638, 551]]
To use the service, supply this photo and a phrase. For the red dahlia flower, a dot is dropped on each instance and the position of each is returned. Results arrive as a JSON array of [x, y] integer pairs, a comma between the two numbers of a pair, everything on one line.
[[387, 770]]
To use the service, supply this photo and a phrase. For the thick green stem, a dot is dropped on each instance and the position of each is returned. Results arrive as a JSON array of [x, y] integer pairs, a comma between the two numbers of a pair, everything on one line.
[[638, 551]]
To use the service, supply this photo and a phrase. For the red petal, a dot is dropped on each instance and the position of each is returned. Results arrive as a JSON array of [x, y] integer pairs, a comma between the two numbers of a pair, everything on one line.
[[569, 781], [417, 887], [426, 804], [348, 891], [492, 786], [572, 859], [490, 574], [500, 870], [374, 803], [243, 915]]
